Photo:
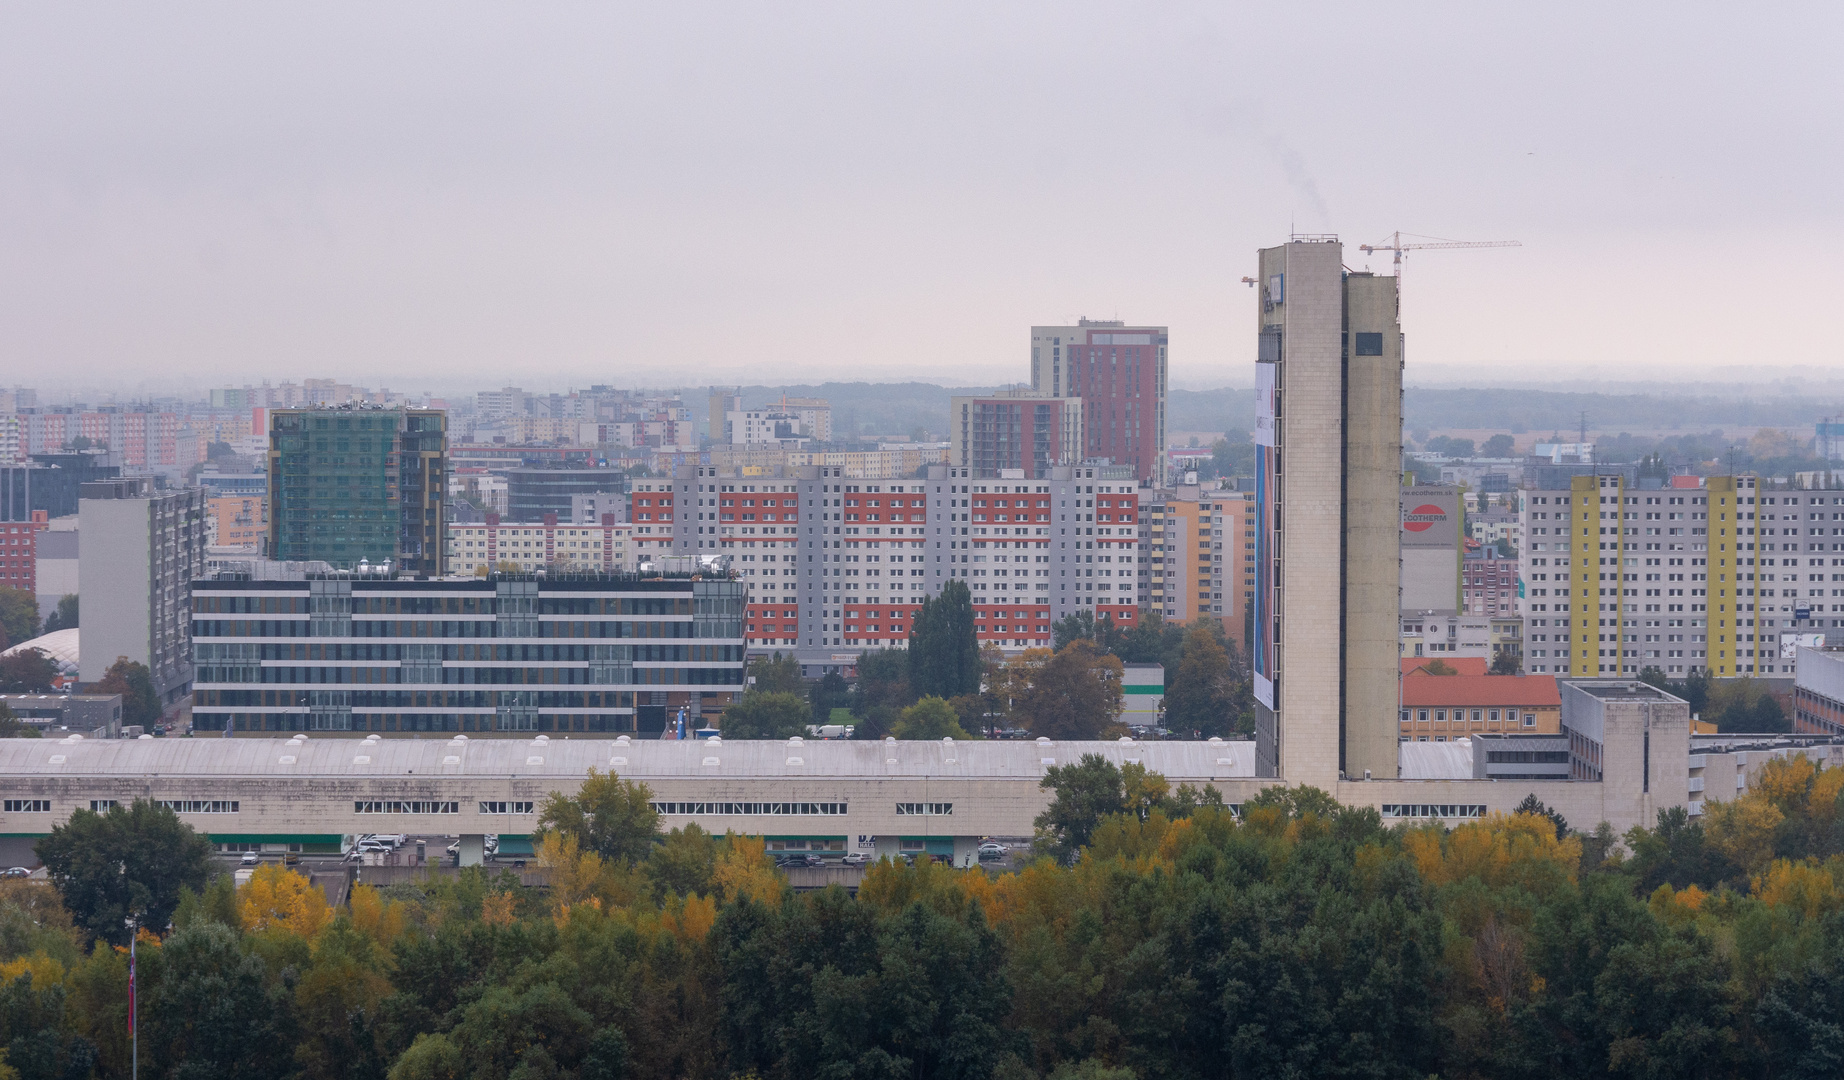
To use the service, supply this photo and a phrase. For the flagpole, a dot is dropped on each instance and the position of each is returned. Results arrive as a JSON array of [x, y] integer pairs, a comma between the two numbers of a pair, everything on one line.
[[134, 1033]]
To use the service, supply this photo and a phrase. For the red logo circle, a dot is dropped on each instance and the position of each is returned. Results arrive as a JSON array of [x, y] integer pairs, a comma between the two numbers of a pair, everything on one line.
[[1423, 517]]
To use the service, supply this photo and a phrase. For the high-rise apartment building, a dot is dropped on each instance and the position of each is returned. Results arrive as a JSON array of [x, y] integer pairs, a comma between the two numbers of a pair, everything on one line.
[[19, 554], [1328, 382], [352, 484], [1119, 373], [1017, 430], [1200, 552], [835, 564], [142, 548]]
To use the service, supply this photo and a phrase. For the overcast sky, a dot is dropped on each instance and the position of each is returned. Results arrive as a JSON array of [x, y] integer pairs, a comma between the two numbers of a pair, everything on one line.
[[457, 195]]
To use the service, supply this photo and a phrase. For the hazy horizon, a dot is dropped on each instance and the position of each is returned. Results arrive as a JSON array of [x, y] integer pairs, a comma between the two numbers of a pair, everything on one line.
[[440, 197]]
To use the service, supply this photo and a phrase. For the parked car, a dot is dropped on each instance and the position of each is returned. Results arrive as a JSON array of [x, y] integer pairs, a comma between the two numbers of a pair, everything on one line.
[[808, 859], [15, 872], [250, 858], [291, 859], [992, 850], [855, 858]]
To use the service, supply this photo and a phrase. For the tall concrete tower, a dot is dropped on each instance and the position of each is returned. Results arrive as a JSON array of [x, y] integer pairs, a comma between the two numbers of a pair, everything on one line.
[[1328, 379]]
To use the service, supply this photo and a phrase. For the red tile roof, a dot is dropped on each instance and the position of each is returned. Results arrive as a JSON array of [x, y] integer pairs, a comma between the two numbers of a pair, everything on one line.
[[1474, 691], [1462, 665]]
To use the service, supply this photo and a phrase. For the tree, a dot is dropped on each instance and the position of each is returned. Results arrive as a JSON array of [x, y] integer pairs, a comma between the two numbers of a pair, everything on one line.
[[777, 673], [1075, 695], [127, 861], [883, 679], [28, 671], [132, 680], [930, 718], [1439, 667], [12, 727], [214, 1012], [831, 692], [1200, 696], [1083, 624], [18, 615], [65, 617], [1498, 446], [771, 714], [1086, 792], [608, 815], [944, 653], [1505, 663], [1534, 805]]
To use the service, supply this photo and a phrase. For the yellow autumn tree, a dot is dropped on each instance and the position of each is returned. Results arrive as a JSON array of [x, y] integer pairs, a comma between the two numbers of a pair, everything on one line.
[[377, 918], [1503, 849], [745, 870], [277, 898], [1743, 830], [1805, 886]]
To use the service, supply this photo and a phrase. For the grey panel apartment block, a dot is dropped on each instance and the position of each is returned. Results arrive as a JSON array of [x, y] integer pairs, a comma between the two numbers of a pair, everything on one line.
[[142, 548]]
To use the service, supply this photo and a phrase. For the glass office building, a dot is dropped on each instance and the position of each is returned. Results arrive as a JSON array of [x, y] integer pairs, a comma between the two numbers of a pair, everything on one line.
[[352, 484]]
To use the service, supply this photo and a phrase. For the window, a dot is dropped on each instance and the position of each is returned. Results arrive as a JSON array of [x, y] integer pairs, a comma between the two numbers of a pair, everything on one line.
[[1436, 810], [391, 806], [28, 806], [933, 809], [99, 805], [751, 809], [199, 806], [505, 808], [1369, 344]]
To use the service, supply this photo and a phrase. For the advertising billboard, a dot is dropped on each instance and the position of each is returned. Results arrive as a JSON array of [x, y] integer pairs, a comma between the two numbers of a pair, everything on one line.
[[1790, 644], [1265, 625], [1431, 516]]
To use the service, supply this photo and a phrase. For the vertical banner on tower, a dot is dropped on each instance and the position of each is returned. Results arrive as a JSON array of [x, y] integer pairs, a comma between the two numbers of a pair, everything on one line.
[[1262, 625]]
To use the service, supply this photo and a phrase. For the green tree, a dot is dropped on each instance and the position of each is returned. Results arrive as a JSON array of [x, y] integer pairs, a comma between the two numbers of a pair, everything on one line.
[[777, 674], [65, 617], [883, 680], [1498, 446], [608, 815], [944, 652], [1201, 695], [126, 861], [132, 680], [772, 714], [682, 863], [18, 615], [930, 718], [1505, 663], [214, 1011], [1086, 793], [1074, 695], [1534, 805], [829, 693], [37, 1033], [12, 727], [28, 671]]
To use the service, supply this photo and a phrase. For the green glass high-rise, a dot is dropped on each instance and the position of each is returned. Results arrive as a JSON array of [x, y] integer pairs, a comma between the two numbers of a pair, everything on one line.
[[358, 483]]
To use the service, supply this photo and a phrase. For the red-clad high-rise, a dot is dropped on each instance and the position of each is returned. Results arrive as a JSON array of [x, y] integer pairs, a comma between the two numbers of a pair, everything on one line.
[[1119, 373]]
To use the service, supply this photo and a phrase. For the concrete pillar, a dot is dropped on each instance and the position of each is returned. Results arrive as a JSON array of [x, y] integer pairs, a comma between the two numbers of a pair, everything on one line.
[[473, 849], [966, 851]]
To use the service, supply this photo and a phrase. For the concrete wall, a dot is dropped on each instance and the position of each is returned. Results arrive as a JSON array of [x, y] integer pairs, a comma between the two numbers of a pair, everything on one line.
[[1372, 566], [115, 564], [1310, 313]]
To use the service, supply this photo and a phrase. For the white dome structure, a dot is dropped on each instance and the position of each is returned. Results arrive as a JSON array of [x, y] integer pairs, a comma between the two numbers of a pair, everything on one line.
[[60, 645]]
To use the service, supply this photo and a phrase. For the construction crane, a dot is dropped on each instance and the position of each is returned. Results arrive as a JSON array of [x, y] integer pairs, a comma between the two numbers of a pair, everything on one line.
[[1427, 243]]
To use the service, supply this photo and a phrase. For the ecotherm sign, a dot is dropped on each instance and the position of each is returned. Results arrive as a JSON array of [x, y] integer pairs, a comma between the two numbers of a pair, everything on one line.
[[1430, 516]]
